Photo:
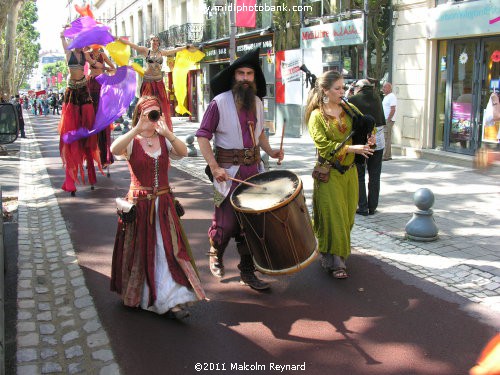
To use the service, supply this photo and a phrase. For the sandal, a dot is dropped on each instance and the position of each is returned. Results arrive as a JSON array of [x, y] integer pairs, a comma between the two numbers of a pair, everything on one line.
[[340, 273], [177, 313]]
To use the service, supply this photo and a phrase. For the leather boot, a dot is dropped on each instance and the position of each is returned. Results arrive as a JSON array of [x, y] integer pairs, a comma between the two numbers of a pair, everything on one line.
[[247, 274], [215, 262]]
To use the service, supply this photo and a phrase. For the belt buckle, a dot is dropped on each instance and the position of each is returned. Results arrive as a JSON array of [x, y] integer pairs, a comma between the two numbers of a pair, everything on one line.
[[248, 156], [149, 197]]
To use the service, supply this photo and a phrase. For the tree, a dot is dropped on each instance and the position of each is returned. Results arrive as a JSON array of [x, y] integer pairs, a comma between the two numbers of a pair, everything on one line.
[[53, 69], [4, 4], [14, 48], [27, 49], [287, 25], [379, 27]]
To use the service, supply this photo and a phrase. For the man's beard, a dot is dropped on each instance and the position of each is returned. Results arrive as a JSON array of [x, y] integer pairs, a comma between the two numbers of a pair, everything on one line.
[[244, 95]]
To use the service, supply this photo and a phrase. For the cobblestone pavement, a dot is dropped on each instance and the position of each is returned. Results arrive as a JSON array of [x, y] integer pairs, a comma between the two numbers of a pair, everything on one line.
[[58, 330], [58, 327], [464, 260]]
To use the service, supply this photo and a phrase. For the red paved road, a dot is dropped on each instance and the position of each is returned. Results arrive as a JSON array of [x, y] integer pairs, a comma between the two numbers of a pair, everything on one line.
[[379, 321]]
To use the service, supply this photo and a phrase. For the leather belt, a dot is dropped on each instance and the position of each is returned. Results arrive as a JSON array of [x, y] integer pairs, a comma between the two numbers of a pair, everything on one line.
[[246, 156], [155, 192], [336, 165]]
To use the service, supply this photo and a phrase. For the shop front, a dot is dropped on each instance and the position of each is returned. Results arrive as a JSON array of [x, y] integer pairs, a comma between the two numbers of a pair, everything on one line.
[[468, 73], [217, 58], [334, 46]]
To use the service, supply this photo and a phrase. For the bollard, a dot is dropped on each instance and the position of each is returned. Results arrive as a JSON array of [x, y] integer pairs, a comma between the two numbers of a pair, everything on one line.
[[265, 160], [125, 127], [190, 145], [422, 226]]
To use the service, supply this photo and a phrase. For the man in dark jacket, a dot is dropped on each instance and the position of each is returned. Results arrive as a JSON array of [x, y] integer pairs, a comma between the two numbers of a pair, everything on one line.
[[368, 102], [19, 110]]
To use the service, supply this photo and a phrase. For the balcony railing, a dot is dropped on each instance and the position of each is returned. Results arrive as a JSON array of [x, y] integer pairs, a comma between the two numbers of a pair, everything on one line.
[[187, 33]]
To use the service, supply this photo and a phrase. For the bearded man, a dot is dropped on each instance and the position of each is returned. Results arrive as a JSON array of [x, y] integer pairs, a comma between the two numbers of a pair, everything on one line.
[[234, 119]]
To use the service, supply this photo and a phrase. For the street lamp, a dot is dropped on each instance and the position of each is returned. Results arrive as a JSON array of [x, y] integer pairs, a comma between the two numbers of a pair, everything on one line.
[[232, 35]]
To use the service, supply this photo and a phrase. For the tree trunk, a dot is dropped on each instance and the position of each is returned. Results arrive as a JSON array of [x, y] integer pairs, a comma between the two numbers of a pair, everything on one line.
[[4, 5], [7, 76]]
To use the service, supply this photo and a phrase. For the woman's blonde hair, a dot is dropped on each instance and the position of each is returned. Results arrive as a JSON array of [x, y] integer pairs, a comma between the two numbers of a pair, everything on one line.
[[315, 97]]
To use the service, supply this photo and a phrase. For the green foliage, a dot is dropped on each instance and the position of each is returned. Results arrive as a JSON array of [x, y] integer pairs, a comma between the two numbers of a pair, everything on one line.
[[26, 43], [53, 69], [379, 26]]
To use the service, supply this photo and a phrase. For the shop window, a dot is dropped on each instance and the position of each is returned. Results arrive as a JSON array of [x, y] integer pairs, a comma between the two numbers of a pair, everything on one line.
[[439, 120]]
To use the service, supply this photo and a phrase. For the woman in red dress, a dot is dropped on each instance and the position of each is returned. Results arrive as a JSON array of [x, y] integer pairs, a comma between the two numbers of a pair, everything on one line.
[[152, 264]]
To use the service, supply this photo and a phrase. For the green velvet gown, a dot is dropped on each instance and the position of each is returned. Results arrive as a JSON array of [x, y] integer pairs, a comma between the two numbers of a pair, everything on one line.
[[334, 202]]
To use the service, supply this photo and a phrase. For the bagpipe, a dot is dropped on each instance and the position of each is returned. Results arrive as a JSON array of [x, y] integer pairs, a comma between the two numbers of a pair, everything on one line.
[[310, 78], [362, 125]]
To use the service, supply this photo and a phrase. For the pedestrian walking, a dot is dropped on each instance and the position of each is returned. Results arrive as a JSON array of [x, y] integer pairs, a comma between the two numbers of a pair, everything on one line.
[[235, 120], [53, 103], [389, 104], [153, 267], [19, 110], [335, 191]]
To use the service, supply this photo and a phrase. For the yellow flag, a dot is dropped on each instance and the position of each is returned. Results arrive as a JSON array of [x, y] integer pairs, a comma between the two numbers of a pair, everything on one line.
[[184, 60]]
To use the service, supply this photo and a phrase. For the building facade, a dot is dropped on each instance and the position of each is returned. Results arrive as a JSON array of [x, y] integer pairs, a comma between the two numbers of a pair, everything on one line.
[[446, 66], [173, 21]]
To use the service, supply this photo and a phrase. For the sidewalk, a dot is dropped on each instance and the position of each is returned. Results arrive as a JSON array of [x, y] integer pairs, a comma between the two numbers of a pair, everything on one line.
[[465, 259], [58, 328]]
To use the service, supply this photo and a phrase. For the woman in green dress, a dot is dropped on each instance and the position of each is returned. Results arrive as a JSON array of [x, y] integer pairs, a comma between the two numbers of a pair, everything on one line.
[[334, 201]]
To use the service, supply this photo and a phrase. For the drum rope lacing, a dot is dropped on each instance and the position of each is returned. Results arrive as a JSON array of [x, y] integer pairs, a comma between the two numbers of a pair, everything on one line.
[[262, 238]]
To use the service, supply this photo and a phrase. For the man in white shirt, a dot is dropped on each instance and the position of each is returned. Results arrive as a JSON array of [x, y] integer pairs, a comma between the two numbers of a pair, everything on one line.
[[389, 104]]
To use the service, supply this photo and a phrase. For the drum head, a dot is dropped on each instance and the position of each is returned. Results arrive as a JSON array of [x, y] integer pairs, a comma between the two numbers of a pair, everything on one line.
[[278, 188]]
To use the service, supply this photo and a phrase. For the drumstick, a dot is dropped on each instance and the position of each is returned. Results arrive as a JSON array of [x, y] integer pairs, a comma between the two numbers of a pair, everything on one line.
[[247, 183], [282, 135]]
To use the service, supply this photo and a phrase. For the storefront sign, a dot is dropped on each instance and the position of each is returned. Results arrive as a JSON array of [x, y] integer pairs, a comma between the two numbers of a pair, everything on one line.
[[220, 51], [264, 42], [332, 34], [288, 77], [461, 20]]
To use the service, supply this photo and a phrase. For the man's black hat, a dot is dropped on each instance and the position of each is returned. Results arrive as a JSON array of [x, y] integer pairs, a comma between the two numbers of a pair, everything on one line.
[[223, 81]]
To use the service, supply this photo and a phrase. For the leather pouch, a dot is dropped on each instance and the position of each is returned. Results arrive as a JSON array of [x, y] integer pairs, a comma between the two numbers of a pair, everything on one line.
[[321, 172], [126, 210]]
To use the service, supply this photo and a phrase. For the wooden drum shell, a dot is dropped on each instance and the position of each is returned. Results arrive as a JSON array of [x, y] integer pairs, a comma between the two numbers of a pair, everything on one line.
[[280, 238]]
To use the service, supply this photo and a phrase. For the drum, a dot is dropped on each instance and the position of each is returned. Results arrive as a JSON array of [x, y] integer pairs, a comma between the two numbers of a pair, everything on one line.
[[276, 222]]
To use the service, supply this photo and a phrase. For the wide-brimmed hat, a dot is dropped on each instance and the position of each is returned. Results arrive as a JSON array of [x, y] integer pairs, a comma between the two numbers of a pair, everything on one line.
[[223, 81]]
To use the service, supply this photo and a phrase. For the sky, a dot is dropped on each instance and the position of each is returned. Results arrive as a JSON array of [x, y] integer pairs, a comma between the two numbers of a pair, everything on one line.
[[52, 16]]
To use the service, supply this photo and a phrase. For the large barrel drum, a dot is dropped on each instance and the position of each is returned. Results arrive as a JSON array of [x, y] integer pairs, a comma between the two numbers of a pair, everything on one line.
[[276, 222]]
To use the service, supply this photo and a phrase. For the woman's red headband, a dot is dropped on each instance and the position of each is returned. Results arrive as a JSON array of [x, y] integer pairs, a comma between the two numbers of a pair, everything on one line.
[[148, 103]]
